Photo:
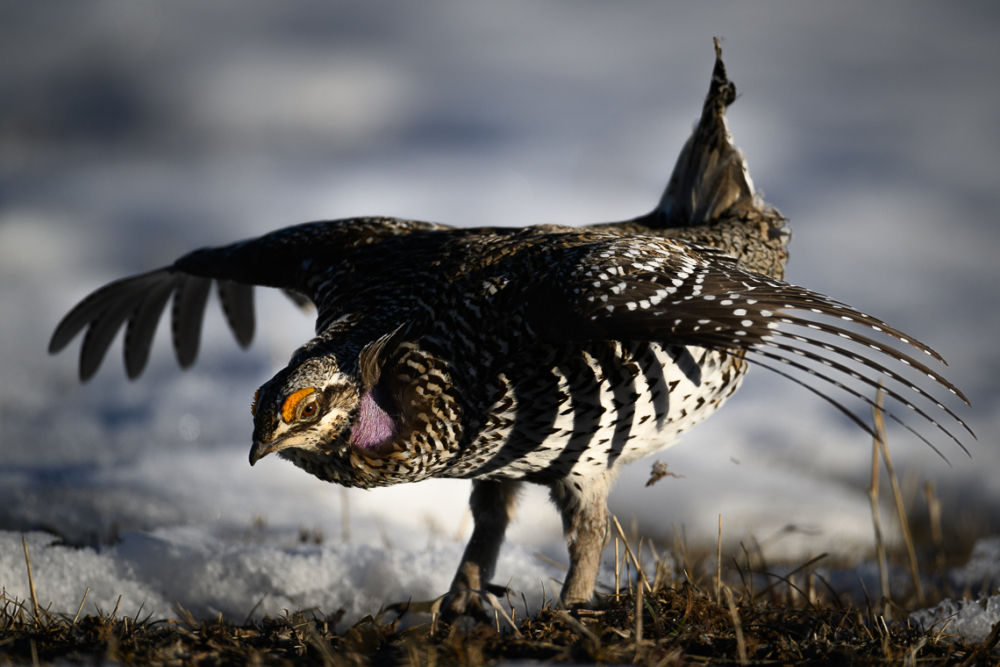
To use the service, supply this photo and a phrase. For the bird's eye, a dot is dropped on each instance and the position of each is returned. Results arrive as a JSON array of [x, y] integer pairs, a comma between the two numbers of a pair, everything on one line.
[[290, 409]]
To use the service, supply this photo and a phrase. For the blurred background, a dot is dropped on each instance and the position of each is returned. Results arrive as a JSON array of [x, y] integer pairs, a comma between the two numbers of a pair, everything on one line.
[[132, 131]]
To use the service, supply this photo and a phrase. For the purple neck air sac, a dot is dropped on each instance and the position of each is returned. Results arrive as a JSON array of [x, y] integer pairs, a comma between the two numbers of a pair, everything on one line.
[[374, 425]]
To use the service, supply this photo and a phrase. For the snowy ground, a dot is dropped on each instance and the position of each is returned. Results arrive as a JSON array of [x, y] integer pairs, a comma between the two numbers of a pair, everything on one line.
[[131, 132]]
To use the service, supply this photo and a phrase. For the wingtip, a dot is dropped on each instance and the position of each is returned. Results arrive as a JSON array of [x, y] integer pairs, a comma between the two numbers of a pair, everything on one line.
[[63, 333], [55, 345]]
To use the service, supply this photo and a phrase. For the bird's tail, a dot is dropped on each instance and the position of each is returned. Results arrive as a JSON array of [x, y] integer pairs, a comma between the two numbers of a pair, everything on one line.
[[710, 177]]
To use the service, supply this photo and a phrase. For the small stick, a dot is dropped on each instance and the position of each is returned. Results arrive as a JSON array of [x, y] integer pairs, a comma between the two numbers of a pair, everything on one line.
[[638, 555], [513, 612], [498, 611], [718, 571], [85, 594], [680, 544], [934, 516], [638, 612], [618, 570], [115, 612], [876, 521], [31, 580], [904, 523], [738, 627], [628, 550]]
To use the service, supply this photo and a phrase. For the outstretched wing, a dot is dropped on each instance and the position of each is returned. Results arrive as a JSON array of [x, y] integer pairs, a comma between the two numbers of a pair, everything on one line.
[[289, 259], [674, 291]]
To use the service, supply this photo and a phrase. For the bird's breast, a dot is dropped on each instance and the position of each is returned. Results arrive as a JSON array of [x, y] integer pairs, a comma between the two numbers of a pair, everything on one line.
[[597, 407]]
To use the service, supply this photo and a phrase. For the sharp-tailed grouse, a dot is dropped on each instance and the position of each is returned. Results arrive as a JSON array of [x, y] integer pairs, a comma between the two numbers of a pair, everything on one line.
[[547, 354]]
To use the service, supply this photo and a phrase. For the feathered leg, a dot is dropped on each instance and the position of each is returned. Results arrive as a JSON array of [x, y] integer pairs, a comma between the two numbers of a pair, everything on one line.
[[583, 505], [493, 503]]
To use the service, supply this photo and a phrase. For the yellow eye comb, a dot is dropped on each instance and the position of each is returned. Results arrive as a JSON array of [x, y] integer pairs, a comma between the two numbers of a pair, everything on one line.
[[292, 402]]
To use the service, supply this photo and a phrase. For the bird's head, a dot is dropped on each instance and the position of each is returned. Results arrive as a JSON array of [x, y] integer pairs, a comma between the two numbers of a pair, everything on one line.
[[307, 407]]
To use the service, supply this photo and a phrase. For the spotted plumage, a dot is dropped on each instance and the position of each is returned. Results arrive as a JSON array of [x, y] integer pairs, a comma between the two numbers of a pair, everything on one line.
[[551, 355]]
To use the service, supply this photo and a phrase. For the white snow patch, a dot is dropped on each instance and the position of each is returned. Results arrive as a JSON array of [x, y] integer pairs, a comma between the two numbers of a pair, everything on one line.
[[153, 572], [970, 619]]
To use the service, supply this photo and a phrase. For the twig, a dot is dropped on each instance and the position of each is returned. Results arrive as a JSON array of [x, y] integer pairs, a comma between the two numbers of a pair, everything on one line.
[[738, 627], [31, 580], [85, 594], [718, 571], [934, 516], [680, 543], [498, 608], [904, 523], [876, 521], [628, 550], [638, 611], [115, 612], [618, 571]]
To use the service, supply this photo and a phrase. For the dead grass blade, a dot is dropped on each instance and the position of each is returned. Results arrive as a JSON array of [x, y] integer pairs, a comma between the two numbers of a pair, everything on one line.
[[873, 496], [897, 495], [741, 645], [31, 579], [77, 616], [628, 550]]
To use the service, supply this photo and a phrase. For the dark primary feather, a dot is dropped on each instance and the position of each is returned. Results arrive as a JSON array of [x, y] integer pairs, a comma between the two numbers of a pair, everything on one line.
[[237, 303], [142, 326]]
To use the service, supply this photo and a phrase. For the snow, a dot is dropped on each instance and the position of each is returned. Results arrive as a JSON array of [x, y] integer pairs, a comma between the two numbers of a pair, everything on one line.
[[157, 573], [134, 132], [971, 617]]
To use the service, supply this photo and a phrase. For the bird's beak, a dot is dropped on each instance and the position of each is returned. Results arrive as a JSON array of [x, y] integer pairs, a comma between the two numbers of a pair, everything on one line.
[[261, 449]]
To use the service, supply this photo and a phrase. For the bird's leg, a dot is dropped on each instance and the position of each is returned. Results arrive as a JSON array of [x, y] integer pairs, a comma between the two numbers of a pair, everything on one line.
[[493, 503], [583, 503]]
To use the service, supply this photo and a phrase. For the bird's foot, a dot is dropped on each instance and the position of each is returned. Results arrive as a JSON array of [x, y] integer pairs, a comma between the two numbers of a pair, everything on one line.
[[478, 604]]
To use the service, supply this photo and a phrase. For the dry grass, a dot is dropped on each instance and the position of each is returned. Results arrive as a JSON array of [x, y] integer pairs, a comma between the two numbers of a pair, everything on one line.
[[679, 625], [663, 618]]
